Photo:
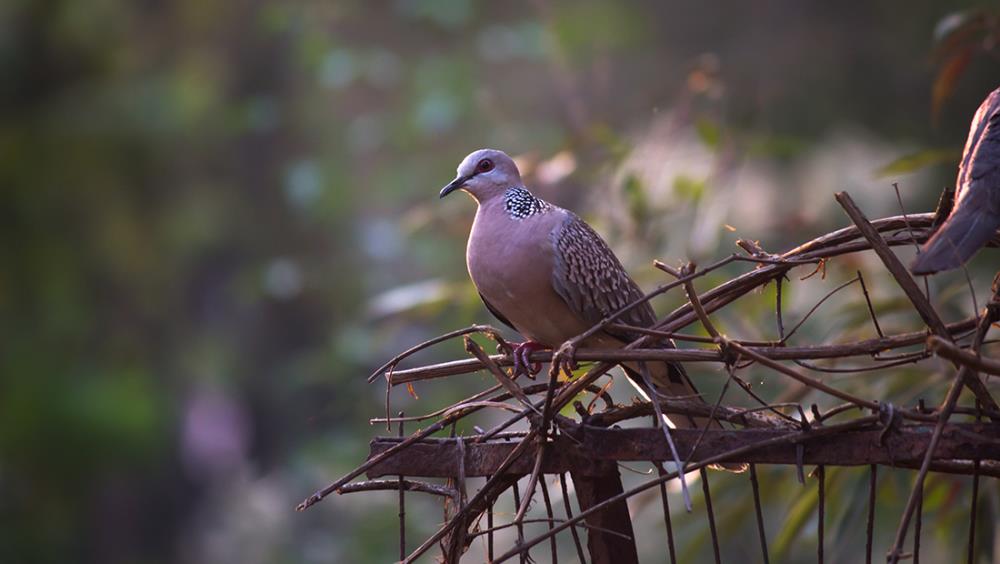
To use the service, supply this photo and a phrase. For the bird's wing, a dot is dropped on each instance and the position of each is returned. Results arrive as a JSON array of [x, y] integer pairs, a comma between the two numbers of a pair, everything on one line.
[[981, 157], [591, 280], [976, 215], [496, 313], [593, 283]]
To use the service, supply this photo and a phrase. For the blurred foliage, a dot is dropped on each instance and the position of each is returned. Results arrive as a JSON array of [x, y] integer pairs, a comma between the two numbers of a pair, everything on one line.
[[959, 37], [218, 217], [916, 161]]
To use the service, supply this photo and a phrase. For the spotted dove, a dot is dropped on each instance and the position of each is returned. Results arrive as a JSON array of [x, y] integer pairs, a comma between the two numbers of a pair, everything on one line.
[[544, 272], [975, 217]]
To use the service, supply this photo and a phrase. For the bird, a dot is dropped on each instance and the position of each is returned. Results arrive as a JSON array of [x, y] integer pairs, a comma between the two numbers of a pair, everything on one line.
[[975, 216], [546, 273]]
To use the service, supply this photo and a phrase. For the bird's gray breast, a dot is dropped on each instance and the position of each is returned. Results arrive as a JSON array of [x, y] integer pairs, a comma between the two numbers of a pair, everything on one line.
[[511, 263]]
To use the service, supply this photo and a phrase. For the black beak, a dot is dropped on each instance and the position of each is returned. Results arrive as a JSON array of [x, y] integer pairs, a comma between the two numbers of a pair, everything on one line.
[[455, 185]]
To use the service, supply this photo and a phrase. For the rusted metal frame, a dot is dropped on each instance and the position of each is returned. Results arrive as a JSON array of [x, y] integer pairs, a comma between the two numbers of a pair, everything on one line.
[[498, 483], [734, 454]]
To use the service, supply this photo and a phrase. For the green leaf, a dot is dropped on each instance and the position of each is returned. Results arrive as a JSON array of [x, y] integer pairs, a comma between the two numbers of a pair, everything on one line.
[[800, 514], [636, 198], [709, 132], [919, 160], [688, 188], [781, 146]]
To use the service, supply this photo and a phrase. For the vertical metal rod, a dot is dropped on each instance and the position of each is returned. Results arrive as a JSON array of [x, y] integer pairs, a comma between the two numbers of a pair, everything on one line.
[[918, 524], [489, 525], [777, 307], [821, 475], [610, 536], [666, 515], [551, 516], [971, 558], [870, 528], [520, 525], [760, 514], [711, 514], [402, 505], [569, 515], [972, 513]]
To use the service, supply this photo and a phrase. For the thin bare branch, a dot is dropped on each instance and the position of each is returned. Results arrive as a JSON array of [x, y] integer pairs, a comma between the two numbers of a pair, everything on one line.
[[948, 350], [865, 347], [394, 485], [426, 344]]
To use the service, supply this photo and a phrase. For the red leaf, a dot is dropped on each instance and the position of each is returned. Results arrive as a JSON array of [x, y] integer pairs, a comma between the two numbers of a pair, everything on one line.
[[947, 77]]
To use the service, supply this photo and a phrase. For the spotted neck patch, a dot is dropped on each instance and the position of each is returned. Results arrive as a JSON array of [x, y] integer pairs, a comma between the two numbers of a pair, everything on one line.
[[520, 203]]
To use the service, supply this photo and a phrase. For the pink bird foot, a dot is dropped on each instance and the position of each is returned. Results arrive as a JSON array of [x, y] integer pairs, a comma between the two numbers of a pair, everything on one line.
[[522, 364]]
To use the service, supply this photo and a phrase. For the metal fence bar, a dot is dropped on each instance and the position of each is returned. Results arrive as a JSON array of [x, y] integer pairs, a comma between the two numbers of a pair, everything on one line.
[[520, 526], [916, 526], [569, 515], [759, 513], [551, 516], [711, 514], [904, 447], [489, 526], [666, 516], [870, 527], [972, 515], [402, 503], [821, 512], [610, 538]]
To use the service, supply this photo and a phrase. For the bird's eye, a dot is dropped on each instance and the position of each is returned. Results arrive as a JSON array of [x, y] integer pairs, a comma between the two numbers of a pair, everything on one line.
[[484, 165]]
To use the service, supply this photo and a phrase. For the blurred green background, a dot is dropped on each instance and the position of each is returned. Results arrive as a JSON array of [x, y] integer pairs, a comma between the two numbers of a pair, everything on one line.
[[216, 218]]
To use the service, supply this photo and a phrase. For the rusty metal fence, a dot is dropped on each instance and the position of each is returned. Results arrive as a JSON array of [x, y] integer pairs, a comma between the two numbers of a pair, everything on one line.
[[589, 449]]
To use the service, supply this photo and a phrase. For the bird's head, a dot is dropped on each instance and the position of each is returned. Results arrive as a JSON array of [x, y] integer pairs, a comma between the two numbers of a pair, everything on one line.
[[485, 174]]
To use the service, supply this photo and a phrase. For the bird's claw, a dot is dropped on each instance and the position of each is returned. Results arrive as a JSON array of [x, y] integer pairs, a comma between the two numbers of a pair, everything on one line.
[[522, 360], [563, 360]]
